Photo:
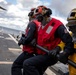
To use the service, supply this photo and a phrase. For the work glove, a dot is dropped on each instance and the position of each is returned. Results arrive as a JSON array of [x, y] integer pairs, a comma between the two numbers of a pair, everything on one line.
[[23, 35], [55, 51], [63, 57], [33, 42], [22, 40]]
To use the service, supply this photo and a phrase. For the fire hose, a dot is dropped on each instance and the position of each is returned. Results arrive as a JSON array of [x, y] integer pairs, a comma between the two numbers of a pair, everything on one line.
[[70, 62]]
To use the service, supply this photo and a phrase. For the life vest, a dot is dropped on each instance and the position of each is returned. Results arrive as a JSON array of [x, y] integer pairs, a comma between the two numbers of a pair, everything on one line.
[[29, 48], [46, 36]]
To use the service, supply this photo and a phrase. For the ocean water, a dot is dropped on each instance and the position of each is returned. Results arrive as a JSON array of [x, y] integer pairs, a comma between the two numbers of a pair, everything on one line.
[[10, 31]]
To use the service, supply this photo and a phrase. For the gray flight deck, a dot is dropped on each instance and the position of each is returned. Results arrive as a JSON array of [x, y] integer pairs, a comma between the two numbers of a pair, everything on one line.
[[9, 50]]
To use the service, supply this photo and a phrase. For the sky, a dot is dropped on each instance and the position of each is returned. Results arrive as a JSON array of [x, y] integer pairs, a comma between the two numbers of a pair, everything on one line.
[[16, 16]]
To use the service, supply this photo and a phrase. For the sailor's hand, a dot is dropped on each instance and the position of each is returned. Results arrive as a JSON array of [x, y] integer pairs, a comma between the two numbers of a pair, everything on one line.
[[55, 51], [21, 41], [33, 42], [63, 57]]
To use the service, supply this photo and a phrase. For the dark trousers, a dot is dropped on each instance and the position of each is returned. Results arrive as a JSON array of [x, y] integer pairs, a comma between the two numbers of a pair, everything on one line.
[[33, 65], [18, 63]]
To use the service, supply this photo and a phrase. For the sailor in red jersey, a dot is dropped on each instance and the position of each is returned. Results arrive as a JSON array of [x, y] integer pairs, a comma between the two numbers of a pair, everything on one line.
[[51, 32], [28, 50]]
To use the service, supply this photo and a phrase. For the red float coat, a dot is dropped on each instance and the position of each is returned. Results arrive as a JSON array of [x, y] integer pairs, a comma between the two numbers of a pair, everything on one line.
[[46, 36], [29, 48]]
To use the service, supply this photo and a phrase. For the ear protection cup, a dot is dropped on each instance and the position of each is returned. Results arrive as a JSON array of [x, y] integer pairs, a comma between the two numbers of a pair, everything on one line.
[[48, 13], [31, 13]]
